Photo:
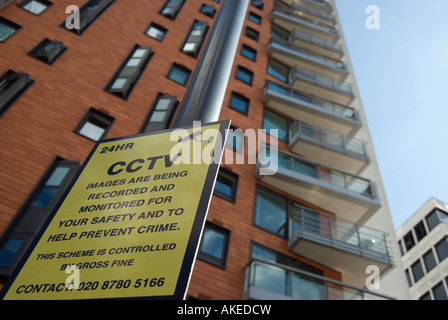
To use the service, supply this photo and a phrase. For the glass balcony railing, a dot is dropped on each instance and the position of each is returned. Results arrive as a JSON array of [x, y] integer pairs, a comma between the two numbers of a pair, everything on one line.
[[336, 108], [336, 47], [310, 55], [306, 22], [338, 233], [334, 141], [314, 12], [326, 174], [341, 87], [267, 280]]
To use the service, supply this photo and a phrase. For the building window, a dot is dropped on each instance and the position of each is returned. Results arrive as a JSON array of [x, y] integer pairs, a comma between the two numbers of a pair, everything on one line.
[[258, 4], [161, 113], [34, 212], [276, 279], [278, 70], [88, 13], [430, 260], [248, 52], [156, 31], [9, 250], [417, 270], [94, 125], [226, 185], [426, 296], [12, 85], [420, 231], [272, 120], [171, 8], [244, 75], [36, 7], [439, 292], [270, 211], [129, 72], [442, 249], [195, 38], [7, 29], [254, 17], [239, 103], [179, 74], [214, 245], [48, 51], [409, 241], [235, 140], [251, 33], [435, 217], [208, 10]]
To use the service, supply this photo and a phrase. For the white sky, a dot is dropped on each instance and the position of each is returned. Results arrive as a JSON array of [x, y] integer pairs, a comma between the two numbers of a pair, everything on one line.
[[401, 70]]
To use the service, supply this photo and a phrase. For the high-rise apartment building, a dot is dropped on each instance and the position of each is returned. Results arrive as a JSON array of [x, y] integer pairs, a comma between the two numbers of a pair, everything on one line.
[[423, 243], [309, 230]]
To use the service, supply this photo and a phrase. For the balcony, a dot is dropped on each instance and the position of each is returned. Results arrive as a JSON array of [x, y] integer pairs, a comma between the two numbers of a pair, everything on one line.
[[271, 281], [290, 21], [311, 109], [303, 58], [350, 197], [340, 92], [322, 46], [328, 148], [307, 11], [346, 247]]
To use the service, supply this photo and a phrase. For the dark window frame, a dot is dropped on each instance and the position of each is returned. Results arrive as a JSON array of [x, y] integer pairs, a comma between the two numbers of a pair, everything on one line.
[[208, 14], [171, 111], [12, 25], [243, 99], [246, 48], [30, 218], [46, 58], [178, 8], [182, 68], [252, 33], [439, 245], [256, 18], [20, 82], [245, 71], [91, 17], [133, 73], [198, 40], [97, 116], [158, 27], [420, 231], [409, 241], [413, 270], [218, 262], [233, 177], [47, 3]]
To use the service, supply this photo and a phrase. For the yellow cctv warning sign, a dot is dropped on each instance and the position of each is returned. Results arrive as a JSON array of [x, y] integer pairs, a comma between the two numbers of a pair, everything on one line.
[[130, 223]]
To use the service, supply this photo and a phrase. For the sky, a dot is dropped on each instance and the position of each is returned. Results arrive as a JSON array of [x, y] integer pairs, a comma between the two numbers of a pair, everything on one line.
[[401, 72]]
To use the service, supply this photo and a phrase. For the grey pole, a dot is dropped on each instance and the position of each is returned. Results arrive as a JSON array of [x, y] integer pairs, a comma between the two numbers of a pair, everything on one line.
[[205, 93]]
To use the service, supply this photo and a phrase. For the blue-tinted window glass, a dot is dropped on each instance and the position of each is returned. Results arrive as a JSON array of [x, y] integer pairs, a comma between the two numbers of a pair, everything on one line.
[[44, 197], [179, 74], [272, 120], [278, 70], [9, 251], [248, 52], [213, 243], [244, 75], [270, 212], [239, 103]]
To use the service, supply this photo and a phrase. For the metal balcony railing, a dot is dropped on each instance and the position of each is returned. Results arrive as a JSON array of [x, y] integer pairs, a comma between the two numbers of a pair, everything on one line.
[[309, 23], [310, 55], [338, 233], [339, 109], [268, 280], [317, 41], [326, 174], [330, 140], [341, 87]]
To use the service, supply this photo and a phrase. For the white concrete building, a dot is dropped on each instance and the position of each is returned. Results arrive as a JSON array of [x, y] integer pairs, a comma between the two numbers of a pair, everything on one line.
[[423, 242]]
